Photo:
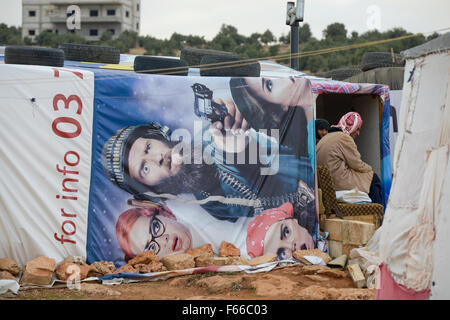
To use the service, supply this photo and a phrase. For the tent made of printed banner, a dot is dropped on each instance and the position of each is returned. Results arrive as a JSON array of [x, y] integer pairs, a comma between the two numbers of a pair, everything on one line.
[[414, 237], [106, 163]]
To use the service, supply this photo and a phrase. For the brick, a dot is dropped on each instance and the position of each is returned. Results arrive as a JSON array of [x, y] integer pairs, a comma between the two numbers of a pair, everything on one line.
[[38, 271], [203, 250], [357, 275], [349, 232], [207, 260], [227, 249], [337, 248], [178, 261], [144, 258], [10, 266], [67, 269]]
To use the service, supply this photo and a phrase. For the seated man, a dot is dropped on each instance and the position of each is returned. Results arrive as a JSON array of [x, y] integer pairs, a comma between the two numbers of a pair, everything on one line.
[[338, 151]]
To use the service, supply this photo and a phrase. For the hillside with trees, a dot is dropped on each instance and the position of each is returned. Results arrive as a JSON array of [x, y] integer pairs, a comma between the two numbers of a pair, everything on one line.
[[257, 45]]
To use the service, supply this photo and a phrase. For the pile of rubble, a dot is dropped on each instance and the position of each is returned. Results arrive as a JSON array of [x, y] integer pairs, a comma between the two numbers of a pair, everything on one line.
[[42, 270]]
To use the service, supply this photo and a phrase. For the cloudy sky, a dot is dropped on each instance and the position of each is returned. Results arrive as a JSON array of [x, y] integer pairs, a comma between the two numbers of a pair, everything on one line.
[[161, 18]]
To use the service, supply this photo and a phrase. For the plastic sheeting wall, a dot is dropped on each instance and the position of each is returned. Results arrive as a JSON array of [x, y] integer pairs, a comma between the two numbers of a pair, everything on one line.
[[423, 127]]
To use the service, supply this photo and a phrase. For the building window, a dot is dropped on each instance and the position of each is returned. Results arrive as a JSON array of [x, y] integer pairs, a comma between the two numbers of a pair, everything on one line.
[[112, 31], [31, 32], [127, 14], [93, 32], [111, 12], [137, 26], [32, 13], [137, 7], [93, 13]]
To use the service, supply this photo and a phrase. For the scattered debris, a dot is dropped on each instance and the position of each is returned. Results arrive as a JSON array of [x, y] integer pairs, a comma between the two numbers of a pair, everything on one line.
[[101, 269], [357, 275], [339, 262], [300, 254]]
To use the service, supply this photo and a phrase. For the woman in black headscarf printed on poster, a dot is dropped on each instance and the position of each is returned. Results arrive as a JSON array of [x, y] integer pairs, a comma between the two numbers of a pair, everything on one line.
[[281, 103]]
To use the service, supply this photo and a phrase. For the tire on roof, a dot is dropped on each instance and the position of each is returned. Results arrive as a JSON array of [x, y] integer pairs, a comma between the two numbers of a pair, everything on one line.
[[34, 56], [373, 60], [91, 53], [160, 65], [194, 56], [227, 66], [342, 73], [390, 76]]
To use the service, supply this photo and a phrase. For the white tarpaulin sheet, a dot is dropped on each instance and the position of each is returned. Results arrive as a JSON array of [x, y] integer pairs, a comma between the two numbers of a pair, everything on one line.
[[55, 108], [419, 194]]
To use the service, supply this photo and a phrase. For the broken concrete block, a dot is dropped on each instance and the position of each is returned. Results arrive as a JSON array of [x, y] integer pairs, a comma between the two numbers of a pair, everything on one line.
[[227, 249], [337, 248], [76, 259], [151, 267], [126, 269], [101, 268], [203, 250], [144, 258], [262, 259], [5, 275], [357, 275], [39, 271], [349, 231], [178, 261], [9, 265], [66, 269], [206, 261]]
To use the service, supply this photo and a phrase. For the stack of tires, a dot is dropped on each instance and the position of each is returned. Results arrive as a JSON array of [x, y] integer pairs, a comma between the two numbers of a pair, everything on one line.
[[55, 57], [381, 68], [210, 62], [370, 61]]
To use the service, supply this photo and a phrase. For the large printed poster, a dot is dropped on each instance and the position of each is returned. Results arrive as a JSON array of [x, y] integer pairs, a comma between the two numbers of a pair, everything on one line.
[[179, 162], [108, 164]]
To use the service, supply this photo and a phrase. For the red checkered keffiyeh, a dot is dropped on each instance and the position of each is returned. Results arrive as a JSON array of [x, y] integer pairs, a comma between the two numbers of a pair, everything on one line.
[[350, 122]]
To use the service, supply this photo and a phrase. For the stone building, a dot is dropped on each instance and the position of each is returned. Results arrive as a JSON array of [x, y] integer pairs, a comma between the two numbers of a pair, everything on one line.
[[93, 17]]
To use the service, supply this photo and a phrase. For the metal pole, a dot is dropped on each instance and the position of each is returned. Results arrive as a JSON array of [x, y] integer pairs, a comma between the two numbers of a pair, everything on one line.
[[294, 45]]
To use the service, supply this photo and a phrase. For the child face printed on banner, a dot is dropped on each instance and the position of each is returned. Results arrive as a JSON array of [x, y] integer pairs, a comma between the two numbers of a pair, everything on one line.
[[159, 234], [276, 231], [286, 236], [141, 229]]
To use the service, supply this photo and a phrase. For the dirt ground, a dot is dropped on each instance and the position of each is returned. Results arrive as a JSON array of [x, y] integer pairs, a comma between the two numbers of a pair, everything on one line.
[[295, 282]]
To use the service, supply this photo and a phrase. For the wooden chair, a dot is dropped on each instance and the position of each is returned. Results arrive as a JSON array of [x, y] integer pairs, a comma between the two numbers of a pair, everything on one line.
[[345, 210]]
